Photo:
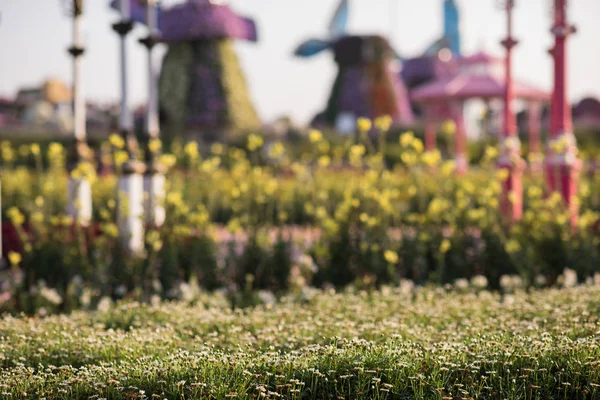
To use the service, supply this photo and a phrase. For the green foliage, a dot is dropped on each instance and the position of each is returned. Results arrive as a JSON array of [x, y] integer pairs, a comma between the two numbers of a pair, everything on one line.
[[251, 219], [403, 342]]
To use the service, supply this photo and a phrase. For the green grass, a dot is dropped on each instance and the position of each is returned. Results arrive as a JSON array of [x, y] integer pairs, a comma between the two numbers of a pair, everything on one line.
[[395, 344]]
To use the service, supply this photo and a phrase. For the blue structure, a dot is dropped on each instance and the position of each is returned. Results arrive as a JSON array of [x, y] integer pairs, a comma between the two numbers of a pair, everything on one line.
[[451, 37], [452, 26], [337, 29]]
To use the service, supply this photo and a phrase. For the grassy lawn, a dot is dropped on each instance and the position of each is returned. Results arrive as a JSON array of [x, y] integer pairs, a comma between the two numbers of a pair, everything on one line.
[[394, 343]]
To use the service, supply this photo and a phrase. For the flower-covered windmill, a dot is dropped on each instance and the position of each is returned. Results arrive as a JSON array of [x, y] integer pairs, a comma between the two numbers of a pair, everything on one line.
[[368, 83], [202, 86]]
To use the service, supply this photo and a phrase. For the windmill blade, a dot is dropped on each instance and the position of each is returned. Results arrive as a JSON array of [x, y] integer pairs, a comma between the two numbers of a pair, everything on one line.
[[398, 57], [436, 46], [138, 11], [312, 47], [339, 23]]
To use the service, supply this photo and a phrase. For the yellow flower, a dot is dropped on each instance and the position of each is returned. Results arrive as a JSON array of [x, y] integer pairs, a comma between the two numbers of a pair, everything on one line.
[[476, 214], [35, 149], [116, 141], [561, 219], [535, 157], [417, 144], [534, 192], [276, 150], [217, 148], [357, 150], [110, 230], [315, 136], [584, 189], [409, 158], [37, 217], [324, 147], [23, 150], [412, 190], [255, 142], [8, 153], [364, 217], [431, 158], [491, 153], [438, 206], [105, 215], [39, 201], [364, 124], [66, 220], [448, 168], [445, 246], [383, 123], [406, 138], [283, 216], [15, 216], [175, 198], [154, 145], [14, 258], [502, 174], [191, 149], [271, 187], [234, 225], [391, 256], [324, 161], [168, 160], [121, 157], [55, 150], [157, 245], [449, 128], [512, 246]]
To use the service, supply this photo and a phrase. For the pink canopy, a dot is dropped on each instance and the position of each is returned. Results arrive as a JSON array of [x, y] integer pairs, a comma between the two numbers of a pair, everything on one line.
[[469, 86], [480, 57]]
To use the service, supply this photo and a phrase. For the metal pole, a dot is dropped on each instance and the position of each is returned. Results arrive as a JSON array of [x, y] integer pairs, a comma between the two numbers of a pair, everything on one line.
[[130, 210], [78, 94], [79, 189], [123, 28], [154, 178], [152, 124]]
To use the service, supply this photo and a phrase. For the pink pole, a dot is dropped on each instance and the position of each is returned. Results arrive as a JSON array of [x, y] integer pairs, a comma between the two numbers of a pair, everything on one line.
[[510, 156], [563, 166], [534, 115]]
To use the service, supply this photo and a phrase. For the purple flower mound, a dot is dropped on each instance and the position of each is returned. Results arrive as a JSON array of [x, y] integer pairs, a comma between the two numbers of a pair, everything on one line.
[[354, 94], [207, 104], [201, 19]]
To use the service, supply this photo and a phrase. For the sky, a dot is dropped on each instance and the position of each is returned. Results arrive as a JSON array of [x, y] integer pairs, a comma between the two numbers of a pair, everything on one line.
[[34, 36]]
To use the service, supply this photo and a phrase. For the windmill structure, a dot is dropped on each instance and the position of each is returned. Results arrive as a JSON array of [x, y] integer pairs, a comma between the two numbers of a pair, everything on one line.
[[368, 83], [451, 37], [202, 89]]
